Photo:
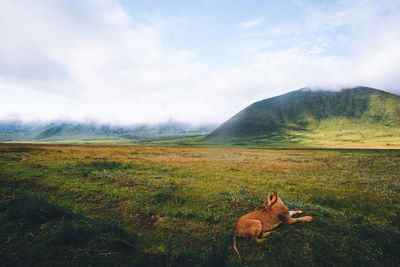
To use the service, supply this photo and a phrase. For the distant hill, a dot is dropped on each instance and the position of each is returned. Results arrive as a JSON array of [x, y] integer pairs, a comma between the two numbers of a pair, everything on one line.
[[18, 131], [350, 117]]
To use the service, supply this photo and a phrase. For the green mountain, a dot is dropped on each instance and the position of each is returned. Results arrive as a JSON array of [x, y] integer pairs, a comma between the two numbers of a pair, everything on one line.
[[66, 131], [358, 116]]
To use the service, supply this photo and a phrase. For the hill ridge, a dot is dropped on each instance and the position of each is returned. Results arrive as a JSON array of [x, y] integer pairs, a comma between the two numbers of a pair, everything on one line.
[[305, 110]]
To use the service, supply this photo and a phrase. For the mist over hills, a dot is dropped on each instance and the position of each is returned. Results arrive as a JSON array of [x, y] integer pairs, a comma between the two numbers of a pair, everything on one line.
[[352, 117], [15, 130], [316, 117]]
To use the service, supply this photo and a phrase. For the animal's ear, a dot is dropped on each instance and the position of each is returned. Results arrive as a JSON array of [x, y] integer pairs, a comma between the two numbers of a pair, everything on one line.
[[271, 200], [266, 202]]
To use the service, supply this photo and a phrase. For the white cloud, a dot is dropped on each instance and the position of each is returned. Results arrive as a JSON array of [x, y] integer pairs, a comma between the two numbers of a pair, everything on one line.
[[94, 60], [251, 23], [105, 66], [351, 44]]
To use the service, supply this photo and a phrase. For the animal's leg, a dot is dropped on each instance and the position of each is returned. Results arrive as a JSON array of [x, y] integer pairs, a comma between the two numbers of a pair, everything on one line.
[[262, 236], [293, 212], [265, 234], [301, 219], [305, 219]]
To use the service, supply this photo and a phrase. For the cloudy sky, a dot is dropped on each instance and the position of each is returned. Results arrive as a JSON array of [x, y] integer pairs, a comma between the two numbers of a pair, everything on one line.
[[191, 61]]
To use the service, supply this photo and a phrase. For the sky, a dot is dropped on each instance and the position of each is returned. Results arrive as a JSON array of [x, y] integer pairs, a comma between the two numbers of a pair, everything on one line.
[[148, 61]]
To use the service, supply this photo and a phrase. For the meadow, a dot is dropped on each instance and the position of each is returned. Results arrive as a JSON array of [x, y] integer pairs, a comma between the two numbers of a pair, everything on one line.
[[77, 205]]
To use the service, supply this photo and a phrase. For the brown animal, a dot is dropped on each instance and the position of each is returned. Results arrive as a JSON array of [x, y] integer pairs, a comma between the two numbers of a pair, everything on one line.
[[257, 224]]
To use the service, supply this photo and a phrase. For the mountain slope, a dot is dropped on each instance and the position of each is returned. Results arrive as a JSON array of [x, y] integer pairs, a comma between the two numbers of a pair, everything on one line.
[[75, 131], [307, 117]]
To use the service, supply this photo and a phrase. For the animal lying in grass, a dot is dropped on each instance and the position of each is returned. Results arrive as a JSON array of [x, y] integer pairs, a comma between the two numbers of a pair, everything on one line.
[[257, 224]]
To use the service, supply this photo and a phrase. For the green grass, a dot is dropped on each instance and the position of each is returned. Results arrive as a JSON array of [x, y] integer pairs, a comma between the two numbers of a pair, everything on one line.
[[177, 206]]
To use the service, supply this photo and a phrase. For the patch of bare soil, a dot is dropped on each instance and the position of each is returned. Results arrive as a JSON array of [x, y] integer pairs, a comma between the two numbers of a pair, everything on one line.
[[143, 221]]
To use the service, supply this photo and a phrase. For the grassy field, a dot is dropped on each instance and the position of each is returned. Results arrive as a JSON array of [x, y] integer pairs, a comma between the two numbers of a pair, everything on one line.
[[63, 205], [328, 133]]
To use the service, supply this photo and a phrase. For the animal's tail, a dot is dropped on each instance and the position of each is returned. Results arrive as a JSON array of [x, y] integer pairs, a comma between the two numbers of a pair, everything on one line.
[[234, 245]]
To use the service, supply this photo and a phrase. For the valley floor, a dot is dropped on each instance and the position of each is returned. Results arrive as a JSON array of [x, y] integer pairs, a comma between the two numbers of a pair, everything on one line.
[[63, 205]]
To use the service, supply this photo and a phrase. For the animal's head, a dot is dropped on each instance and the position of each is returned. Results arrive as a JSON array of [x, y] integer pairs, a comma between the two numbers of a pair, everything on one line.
[[271, 200]]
